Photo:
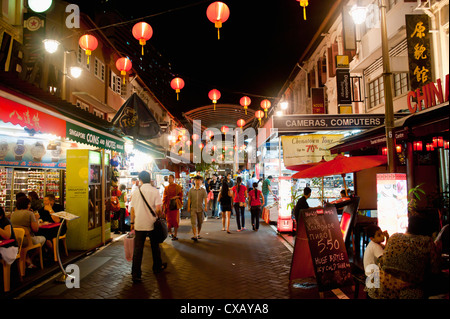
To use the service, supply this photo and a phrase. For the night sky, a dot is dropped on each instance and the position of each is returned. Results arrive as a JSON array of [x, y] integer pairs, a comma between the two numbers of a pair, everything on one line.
[[259, 46]]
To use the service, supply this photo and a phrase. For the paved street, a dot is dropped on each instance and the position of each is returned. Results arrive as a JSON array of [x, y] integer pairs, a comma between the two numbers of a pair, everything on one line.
[[240, 265]]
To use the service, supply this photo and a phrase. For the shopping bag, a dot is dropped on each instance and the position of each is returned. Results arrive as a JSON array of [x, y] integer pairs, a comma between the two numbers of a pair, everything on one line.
[[128, 244]]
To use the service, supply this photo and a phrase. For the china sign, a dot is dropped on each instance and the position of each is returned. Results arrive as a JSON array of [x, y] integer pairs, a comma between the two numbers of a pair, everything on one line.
[[419, 50]]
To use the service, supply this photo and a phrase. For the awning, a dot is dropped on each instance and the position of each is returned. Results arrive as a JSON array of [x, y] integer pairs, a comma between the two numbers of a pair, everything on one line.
[[426, 122], [151, 149], [94, 102], [19, 109]]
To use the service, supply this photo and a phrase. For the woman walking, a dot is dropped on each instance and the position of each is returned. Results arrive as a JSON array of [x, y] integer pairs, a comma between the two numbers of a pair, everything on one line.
[[254, 197], [172, 200], [239, 198], [225, 203]]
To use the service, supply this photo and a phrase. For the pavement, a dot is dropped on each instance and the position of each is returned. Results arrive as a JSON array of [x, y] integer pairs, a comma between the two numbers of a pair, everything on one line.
[[241, 265]]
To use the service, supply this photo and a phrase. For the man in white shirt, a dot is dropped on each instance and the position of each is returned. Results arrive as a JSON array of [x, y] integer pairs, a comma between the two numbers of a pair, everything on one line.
[[142, 222]]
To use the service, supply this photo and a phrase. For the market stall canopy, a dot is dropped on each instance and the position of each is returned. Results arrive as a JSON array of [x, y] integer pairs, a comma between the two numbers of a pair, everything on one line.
[[135, 119], [342, 165]]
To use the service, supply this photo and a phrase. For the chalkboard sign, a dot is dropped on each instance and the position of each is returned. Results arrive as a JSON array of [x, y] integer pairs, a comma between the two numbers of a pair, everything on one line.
[[328, 253]]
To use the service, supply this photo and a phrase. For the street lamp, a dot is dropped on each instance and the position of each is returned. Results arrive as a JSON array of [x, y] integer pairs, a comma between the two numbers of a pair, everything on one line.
[[39, 5], [358, 15], [51, 46]]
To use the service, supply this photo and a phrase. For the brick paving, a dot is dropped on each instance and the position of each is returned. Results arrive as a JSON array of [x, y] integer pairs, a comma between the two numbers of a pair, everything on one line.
[[240, 265]]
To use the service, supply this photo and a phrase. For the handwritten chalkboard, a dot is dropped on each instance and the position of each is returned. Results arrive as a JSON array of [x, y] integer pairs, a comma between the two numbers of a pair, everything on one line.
[[328, 252]]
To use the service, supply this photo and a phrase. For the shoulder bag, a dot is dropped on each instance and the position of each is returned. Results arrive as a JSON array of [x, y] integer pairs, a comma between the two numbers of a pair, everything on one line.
[[160, 226]]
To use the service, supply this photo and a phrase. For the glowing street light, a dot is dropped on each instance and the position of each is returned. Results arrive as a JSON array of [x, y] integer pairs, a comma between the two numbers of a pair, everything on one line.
[[39, 5], [51, 46]]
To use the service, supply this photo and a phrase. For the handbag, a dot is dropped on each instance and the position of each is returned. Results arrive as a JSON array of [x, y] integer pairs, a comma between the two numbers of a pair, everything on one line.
[[128, 244], [160, 226]]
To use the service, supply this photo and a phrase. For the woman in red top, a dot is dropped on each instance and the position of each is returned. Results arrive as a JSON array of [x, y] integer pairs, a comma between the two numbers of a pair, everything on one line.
[[172, 192], [254, 197], [239, 198]]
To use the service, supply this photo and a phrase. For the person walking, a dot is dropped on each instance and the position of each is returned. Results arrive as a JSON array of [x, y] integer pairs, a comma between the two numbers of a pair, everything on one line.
[[266, 189], [172, 199], [225, 197], [254, 198], [142, 222], [214, 186], [239, 198], [197, 201]]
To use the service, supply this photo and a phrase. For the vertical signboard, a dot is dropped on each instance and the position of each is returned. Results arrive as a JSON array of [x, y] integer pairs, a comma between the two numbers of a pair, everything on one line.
[[392, 202], [419, 50], [318, 100], [343, 86]]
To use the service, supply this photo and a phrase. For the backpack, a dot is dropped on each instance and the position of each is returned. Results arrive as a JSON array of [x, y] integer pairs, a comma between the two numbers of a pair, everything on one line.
[[115, 204]]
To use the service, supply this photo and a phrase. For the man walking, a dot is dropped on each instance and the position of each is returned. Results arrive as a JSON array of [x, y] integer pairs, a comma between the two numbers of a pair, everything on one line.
[[266, 189], [197, 199], [142, 222], [214, 186]]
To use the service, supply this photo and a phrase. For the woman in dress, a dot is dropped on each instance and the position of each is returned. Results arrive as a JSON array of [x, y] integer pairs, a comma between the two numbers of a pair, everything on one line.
[[225, 197], [174, 193]]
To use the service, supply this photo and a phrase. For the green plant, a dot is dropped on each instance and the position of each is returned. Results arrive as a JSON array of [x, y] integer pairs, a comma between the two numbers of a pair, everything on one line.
[[414, 195], [295, 195]]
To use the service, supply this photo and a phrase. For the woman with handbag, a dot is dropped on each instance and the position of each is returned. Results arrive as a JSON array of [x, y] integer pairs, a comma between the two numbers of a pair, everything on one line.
[[145, 201], [239, 198], [172, 202]]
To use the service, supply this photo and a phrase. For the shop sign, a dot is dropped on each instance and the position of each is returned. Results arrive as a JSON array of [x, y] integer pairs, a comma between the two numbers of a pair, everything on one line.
[[310, 123], [344, 92], [32, 153], [30, 118], [82, 135], [318, 100], [419, 49], [428, 95], [309, 148]]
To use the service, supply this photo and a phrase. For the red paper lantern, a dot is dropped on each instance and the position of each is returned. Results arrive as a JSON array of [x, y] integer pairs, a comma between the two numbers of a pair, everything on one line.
[[438, 141], [214, 95], [304, 4], [177, 84], [224, 129], [398, 148], [123, 65], [245, 102], [201, 145], [417, 146], [188, 143], [142, 31], [241, 123], [88, 43], [259, 115], [384, 151], [218, 12], [430, 147], [446, 145], [265, 104], [194, 137]]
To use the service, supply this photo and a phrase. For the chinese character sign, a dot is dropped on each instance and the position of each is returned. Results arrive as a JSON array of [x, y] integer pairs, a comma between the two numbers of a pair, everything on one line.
[[419, 50]]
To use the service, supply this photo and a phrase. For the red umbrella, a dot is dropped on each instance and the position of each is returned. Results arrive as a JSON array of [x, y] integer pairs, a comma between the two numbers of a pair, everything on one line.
[[342, 165], [302, 167]]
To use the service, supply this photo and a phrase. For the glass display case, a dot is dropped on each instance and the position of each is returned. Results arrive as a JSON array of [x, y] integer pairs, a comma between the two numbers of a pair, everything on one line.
[[6, 177]]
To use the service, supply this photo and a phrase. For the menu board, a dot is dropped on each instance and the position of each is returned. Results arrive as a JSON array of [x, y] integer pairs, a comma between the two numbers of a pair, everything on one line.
[[328, 252]]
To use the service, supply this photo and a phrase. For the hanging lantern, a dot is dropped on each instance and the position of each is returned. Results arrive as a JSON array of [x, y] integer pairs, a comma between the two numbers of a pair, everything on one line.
[[142, 31], [304, 4], [241, 123], [214, 95], [446, 145], [123, 65], [245, 102], [265, 104], [188, 143], [201, 145], [194, 137], [224, 129], [430, 147], [218, 12], [438, 141], [398, 148], [177, 84], [384, 151], [209, 134], [88, 43], [417, 146], [259, 115]]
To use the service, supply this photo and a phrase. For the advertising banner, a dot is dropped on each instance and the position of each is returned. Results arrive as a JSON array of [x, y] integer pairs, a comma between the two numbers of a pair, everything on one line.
[[83, 135], [308, 148], [32, 153]]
